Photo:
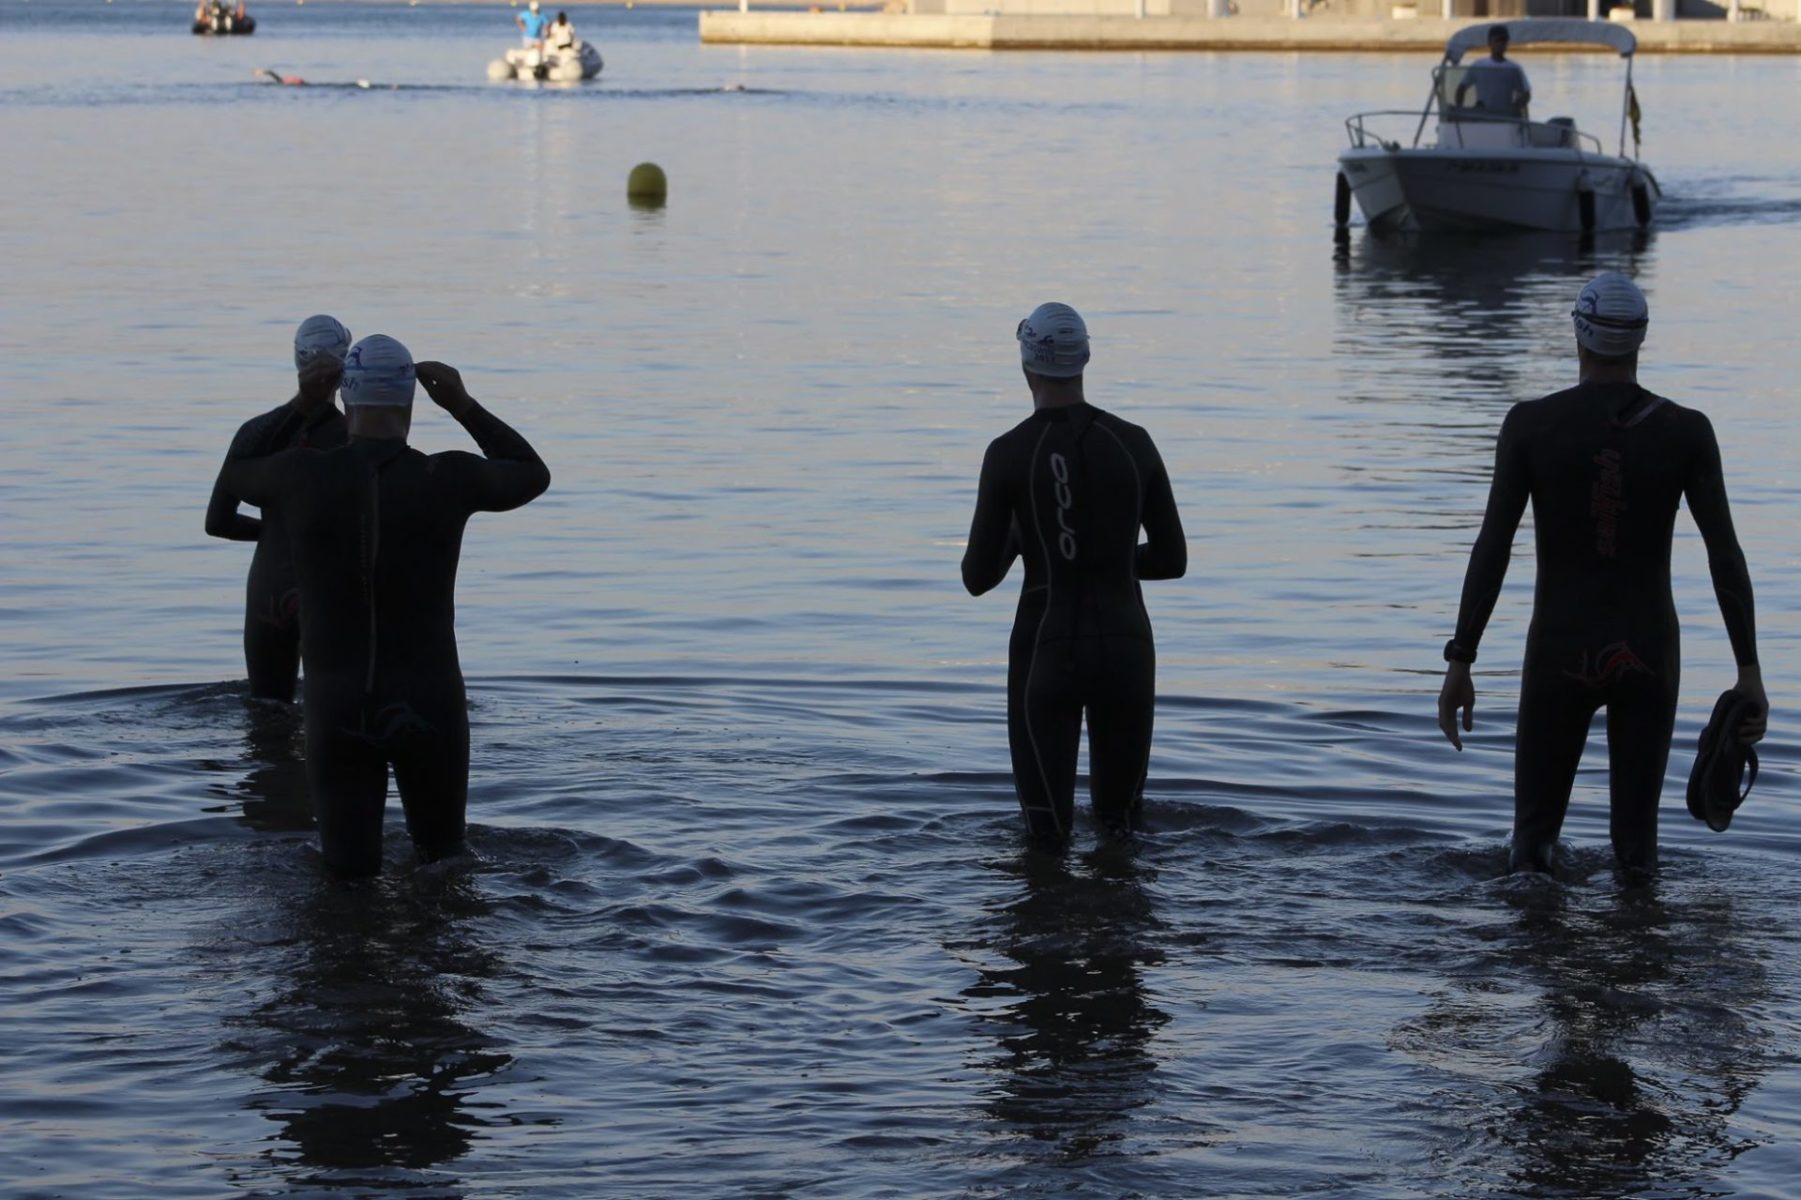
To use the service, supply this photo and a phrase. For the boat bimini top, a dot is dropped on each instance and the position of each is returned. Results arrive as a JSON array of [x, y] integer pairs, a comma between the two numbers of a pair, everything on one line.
[[1566, 31], [1542, 31]]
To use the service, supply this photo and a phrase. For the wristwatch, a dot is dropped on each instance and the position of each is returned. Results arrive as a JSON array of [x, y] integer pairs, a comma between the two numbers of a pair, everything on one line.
[[1458, 654]]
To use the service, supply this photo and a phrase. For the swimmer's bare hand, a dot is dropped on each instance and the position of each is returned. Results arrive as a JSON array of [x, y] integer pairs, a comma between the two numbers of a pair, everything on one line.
[[444, 384], [1750, 682], [319, 378], [1458, 692]]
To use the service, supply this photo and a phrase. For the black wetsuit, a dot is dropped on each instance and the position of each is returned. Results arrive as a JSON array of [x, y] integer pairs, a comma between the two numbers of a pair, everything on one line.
[[1069, 489], [377, 530], [1605, 466], [272, 597]]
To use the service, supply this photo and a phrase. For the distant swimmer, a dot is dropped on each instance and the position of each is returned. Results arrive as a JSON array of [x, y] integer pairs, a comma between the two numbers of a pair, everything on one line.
[[272, 595], [377, 531], [1605, 465], [1068, 489], [268, 76]]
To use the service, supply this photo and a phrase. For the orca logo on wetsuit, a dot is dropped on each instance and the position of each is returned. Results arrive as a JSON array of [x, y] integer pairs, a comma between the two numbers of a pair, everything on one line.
[[1611, 663], [1066, 536]]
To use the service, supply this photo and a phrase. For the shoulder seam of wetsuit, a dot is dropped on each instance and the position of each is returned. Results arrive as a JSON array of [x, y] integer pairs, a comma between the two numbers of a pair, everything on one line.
[[1138, 504], [1653, 403]]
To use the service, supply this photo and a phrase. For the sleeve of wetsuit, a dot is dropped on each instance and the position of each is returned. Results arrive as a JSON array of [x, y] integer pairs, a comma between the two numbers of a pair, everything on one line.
[[223, 520], [260, 480], [1164, 553], [257, 438], [992, 545], [1706, 491], [1507, 496], [507, 474]]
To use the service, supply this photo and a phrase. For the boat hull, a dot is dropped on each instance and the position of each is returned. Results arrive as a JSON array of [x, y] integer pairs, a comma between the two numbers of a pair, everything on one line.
[[553, 66], [1474, 190], [227, 26]]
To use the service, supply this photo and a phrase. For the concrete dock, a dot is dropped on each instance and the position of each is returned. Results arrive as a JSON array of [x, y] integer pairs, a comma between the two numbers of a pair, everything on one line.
[[1341, 34]]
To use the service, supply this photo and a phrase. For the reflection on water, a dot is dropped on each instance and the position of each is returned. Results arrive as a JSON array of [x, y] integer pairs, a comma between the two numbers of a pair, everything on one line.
[[370, 1044], [1609, 1026], [1469, 306], [1076, 1057], [271, 796]]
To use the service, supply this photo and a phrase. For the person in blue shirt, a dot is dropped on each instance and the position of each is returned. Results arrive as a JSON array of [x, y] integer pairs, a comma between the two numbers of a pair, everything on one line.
[[532, 24]]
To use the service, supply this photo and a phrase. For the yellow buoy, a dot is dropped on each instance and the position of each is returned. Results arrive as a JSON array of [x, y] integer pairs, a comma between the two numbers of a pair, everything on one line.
[[647, 184]]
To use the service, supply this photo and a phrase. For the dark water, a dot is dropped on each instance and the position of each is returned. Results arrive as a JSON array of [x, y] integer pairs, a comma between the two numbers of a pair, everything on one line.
[[748, 915]]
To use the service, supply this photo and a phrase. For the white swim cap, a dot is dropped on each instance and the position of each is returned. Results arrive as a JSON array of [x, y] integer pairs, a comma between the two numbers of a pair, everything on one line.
[[378, 373], [1611, 315], [320, 335], [1053, 341]]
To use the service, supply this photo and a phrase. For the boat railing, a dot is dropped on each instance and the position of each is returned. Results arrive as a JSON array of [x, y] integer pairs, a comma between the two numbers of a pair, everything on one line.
[[1516, 132], [1363, 138]]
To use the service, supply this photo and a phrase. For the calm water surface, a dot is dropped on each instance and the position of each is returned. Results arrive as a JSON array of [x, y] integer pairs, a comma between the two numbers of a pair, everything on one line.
[[750, 916]]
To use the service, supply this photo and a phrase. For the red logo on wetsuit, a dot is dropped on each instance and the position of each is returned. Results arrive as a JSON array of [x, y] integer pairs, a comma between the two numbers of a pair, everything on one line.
[[1607, 500], [1610, 664]]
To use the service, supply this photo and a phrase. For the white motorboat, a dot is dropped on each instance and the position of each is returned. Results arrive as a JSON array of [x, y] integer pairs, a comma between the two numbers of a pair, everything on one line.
[[572, 65], [1491, 171]]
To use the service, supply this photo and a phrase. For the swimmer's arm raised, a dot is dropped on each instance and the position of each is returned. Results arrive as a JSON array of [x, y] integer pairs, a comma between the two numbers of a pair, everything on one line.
[[1164, 554], [993, 533], [260, 481], [223, 520], [509, 473], [258, 438]]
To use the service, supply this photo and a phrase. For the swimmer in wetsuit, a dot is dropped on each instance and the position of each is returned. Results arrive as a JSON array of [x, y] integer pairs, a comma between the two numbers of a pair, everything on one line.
[[1068, 489], [1605, 465], [377, 531], [272, 597]]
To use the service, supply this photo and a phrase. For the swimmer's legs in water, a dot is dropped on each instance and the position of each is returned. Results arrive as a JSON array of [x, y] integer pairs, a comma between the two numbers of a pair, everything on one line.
[[347, 771], [1555, 715], [1547, 748], [1113, 681], [1122, 703], [1044, 732], [1640, 726], [271, 635], [348, 779], [432, 776], [271, 659]]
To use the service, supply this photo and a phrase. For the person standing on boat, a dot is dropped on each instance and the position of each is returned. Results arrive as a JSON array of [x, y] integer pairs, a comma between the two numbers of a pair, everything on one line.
[[1499, 83], [532, 26], [561, 34], [1605, 465], [272, 597], [377, 532], [1068, 489]]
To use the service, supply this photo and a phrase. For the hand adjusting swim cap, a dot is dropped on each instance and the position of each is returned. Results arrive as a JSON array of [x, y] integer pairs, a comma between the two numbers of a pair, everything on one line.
[[378, 373], [1611, 315], [1053, 341], [320, 335]]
